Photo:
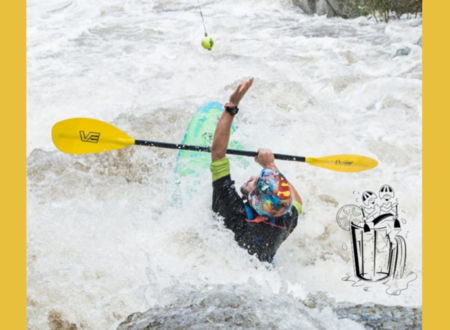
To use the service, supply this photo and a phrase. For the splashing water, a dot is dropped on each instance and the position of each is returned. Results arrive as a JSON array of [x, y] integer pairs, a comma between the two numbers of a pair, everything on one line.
[[104, 237]]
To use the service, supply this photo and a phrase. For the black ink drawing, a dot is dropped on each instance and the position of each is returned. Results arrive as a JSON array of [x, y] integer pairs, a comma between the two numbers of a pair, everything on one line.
[[379, 251]]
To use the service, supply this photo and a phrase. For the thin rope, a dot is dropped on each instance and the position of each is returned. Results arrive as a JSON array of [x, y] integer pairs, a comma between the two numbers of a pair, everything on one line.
[[203, 19]]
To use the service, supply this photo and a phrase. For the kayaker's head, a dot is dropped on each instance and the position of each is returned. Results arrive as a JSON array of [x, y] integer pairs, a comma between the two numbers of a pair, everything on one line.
[[386, 192], [269, 194], [249, 186], [369, 198]]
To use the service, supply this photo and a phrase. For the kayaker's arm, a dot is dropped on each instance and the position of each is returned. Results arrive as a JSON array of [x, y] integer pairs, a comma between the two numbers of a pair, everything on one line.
[[222, 133], [297, 197], [221, 137]]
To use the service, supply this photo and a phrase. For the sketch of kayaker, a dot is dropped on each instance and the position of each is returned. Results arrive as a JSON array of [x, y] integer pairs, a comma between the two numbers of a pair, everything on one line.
[[388, 203], [371, 209]]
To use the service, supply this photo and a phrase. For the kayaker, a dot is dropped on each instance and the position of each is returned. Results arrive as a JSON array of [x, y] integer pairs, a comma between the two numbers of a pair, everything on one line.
[[268, 210]]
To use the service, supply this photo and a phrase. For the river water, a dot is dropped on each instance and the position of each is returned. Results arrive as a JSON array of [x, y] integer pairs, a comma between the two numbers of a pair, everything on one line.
[[104, 236]]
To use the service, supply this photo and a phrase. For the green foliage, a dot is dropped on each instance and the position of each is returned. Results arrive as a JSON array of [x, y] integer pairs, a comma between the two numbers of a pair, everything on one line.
[[383, 10]]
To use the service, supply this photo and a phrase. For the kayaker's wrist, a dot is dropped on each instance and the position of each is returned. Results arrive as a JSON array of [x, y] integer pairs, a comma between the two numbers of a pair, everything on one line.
[[231, 108], [271, 166], [230, 104]]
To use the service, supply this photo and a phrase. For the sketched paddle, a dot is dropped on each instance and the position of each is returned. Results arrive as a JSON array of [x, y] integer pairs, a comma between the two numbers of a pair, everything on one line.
[[86, 135], [366, 226], [396, 221]]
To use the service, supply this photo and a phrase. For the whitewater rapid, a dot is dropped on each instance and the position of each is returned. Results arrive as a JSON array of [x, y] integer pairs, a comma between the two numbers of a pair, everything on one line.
[[104, 237]]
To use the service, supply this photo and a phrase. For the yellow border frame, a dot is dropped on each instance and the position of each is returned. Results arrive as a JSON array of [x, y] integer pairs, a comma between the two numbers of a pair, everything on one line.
[[13, 171], [435, 167]]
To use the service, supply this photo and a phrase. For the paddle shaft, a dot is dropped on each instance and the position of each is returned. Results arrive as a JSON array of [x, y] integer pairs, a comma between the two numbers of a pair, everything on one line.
[[87, 136], [208, 149]]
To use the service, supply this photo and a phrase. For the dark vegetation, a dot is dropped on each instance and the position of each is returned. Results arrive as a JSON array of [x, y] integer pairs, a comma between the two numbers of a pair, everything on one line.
[[384, 10]]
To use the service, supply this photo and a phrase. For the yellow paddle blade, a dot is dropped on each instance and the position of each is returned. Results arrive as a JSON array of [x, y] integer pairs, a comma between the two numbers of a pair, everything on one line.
[[343, 163], [85, 135]]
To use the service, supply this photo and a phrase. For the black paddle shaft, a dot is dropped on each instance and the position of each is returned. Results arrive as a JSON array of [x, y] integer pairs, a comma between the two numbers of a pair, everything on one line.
[[208, 149]]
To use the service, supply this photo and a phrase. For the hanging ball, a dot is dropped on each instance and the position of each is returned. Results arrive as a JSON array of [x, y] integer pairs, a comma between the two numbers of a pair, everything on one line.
[[207, 43]]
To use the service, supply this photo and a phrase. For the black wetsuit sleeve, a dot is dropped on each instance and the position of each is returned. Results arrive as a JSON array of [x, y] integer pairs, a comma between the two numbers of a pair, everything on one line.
[[228, 204]]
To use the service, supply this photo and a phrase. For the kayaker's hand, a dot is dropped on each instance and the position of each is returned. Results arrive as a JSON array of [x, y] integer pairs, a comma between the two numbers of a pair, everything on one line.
[[239, 93], [265, 158]]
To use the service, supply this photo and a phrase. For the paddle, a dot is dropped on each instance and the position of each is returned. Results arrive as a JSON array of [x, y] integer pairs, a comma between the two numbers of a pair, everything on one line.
[[396, 221], [366, 226], [85, 135]]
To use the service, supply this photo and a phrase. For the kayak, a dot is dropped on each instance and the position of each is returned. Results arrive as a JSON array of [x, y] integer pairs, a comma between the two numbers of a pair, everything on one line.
[[200, 132], [192, 167]]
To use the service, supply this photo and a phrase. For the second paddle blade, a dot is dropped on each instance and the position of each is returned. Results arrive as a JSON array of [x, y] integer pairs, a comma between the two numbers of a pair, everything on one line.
[[343, 163], [86, 135]]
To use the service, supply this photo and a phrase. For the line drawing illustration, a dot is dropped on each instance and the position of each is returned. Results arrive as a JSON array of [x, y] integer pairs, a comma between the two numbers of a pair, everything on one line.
[[379, 250]]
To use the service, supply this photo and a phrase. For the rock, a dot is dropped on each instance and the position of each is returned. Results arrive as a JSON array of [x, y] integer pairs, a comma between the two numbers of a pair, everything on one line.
[[241, 307], [331, 8], [308, 6], [403, 51], [419, 42], [375, 316], [56, 321], [355, 8]]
